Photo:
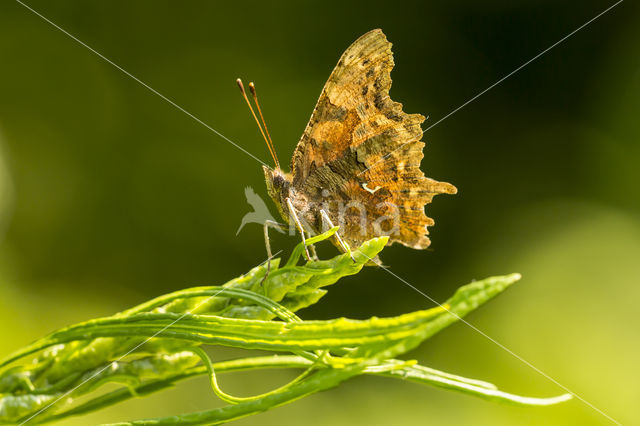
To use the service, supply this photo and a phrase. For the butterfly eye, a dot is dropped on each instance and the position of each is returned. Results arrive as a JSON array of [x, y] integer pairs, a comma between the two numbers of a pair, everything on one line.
[[278, 181]]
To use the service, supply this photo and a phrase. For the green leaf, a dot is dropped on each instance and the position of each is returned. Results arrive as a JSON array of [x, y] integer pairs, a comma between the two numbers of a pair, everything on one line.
[[465, 300], [429, 376], [245, 333]]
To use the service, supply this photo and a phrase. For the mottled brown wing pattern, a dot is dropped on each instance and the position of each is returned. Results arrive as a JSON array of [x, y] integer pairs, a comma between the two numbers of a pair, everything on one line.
[[339, 159]]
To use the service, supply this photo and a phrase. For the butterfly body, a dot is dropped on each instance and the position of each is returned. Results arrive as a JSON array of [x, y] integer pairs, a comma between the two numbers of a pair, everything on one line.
[[358, 159], [281, 190]]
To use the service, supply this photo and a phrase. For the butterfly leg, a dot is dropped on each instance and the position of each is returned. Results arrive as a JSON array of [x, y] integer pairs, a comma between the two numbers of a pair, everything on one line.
[[292, 211], [342, 243], [269, 224], [314, 254]]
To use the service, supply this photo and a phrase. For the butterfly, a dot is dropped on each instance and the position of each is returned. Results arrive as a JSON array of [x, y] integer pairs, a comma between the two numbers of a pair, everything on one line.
[[357, 164]]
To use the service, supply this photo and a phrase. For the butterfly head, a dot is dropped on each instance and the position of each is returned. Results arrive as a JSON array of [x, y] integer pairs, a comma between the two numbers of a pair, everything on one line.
[[278, 185]]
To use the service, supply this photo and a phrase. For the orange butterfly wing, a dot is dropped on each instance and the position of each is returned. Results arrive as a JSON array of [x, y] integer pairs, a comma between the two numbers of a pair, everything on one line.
[[361, 149]]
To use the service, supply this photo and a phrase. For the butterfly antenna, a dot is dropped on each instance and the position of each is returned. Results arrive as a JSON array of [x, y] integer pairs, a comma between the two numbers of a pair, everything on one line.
[[252, 87], [244, 94]]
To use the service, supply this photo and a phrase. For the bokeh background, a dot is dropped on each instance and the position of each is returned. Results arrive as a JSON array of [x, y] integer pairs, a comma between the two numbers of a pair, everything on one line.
[[109, 195]]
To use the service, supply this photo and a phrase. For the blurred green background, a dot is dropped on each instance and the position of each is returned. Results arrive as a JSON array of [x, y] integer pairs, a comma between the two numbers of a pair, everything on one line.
[[110, 196]]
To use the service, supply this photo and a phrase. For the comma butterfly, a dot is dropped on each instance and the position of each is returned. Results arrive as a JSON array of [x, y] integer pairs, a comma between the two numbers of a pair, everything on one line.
[[357, 163]]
